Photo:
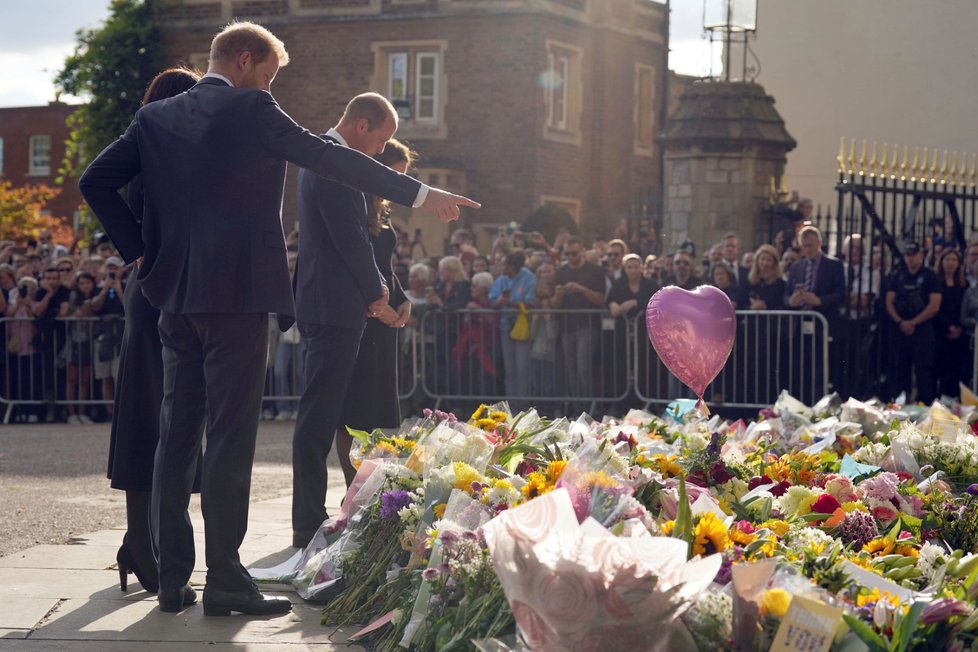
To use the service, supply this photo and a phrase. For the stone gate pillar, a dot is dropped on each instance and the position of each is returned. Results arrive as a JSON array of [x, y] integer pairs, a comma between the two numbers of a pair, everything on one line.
[[722, 145]]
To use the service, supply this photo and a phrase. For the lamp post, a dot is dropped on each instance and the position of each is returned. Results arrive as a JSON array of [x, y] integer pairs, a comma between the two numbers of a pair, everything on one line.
[[730, 22]]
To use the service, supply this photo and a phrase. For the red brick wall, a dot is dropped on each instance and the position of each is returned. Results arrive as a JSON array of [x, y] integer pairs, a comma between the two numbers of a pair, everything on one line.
[[17, 125], [495, 110]]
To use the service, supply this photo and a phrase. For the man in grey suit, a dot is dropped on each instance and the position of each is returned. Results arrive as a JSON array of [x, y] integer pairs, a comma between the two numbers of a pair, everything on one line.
[[213, 163], [334, 245]]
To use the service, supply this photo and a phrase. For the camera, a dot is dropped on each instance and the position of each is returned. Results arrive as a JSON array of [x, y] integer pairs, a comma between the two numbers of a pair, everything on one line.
[[23, 291], [111, 276]]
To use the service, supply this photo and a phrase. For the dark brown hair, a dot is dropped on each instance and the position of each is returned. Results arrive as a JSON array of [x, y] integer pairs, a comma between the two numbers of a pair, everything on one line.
[[959, 279], [170, 82], [378, 209]]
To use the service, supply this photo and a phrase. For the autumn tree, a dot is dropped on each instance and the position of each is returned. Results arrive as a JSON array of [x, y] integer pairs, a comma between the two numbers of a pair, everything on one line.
[[20, 213]]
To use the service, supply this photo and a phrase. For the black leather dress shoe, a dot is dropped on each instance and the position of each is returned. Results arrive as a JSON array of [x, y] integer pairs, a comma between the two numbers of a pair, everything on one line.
[[176, 600], [253, 602]]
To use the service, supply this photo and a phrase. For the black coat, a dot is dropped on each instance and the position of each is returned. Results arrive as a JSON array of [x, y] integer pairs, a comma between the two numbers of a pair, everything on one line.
[[207, 251]]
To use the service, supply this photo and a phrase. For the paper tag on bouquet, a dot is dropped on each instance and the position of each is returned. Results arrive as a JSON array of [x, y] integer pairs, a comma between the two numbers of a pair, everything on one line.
[[809, 625]]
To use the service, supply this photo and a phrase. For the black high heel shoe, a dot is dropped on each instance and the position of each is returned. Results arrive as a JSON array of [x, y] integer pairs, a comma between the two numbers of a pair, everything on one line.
[[127, 564]]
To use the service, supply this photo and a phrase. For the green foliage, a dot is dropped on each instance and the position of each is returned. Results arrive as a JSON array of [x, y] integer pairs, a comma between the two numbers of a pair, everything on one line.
[[110, 69]]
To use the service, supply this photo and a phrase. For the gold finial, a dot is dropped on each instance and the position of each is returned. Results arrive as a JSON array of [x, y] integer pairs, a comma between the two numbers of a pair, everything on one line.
[[953, 172], [904, 166], [915, 166], [894, 161], [974, 159], [874, 160], [862, 159], [885, 161], [933, 167], [943, 167], [841, 158], [852, 156]]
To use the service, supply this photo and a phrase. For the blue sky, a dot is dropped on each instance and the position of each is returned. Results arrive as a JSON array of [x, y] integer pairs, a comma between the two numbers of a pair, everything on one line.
[[37, 35]]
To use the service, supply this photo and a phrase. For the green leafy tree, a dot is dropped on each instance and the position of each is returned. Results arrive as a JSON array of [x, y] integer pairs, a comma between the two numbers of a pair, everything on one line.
[[110, 69]]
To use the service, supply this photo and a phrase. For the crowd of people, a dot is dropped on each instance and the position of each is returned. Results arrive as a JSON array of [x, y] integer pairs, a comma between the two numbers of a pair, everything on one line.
[[63, 309]]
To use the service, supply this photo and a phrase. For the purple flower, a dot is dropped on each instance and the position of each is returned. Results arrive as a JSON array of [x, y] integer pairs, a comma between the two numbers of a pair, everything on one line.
[[943, 609], [858, 528], [427, 413], [972, 489], [469, 535], [430, 574], [448, 537], [391, 502]]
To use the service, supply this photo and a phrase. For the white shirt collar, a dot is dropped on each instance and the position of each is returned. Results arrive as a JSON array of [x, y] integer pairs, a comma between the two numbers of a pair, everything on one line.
[[335, 135], [217, 75]]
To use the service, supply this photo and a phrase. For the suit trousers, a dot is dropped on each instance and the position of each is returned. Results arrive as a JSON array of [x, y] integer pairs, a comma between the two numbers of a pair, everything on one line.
[[331, 353], [213, 373]]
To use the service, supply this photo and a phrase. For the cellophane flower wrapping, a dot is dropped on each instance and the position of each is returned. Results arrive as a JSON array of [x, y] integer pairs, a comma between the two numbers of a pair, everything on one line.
[[577, 586]]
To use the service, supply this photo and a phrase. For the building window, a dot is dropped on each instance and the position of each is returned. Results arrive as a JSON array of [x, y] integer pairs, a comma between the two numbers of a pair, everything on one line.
[[561, 82], [569, 204], [644, 108], [413, 78], [39, 156]]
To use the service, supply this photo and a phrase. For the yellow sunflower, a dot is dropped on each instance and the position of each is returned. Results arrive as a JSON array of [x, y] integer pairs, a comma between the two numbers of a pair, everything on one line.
[[554, 469], [498, 416], [710, 535], [879, 547], [740, 537], [537, 484], [486, 424], [666, 465], [478, 412], [668, 527], [776, 525]]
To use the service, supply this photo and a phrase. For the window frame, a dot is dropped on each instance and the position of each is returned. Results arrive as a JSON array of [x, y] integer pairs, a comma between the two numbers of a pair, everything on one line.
[[563, 101], [34, 170], [430, 123], [644, 108]]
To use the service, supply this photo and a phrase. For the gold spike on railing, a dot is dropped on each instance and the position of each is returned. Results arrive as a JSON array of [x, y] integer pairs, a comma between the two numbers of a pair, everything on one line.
[[894, 161], [841, 158], [933, 167], [953, 172], [944, 167], [972, 178], [904, 166], [852, 156], [915, 166], [874, 161], [862, 159], [885, 161]]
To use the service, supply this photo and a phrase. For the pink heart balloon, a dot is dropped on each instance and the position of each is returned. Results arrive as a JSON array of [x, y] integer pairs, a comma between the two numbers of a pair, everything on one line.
[[693, 332]]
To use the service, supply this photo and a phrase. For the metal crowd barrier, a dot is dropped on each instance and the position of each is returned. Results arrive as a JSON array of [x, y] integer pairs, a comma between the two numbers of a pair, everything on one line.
[[573, 358], [773, 350]]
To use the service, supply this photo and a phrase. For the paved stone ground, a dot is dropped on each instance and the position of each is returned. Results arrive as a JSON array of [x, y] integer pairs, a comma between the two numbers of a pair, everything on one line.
[[53, 485]]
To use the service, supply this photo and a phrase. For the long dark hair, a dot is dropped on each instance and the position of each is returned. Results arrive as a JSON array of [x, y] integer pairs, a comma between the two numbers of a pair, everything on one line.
[[378, 209], [959, 278], [170, 82]]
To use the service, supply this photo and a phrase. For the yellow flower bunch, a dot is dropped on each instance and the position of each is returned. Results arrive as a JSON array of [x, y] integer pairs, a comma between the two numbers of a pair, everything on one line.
[[740, 537], [402, 444], [537, 484], [882, 546], [666, 465], [498, 416], [776, 525], [384, 449], [775, 602], [465, 475], [710, 535], [479, 411], [485, 420], [439, 510], [668, 527], [797, 468], [486, 424], [874, 596], [555, 469]]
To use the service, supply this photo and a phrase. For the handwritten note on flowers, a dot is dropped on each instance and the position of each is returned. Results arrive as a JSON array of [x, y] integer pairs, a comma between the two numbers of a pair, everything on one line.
[[809, 625]]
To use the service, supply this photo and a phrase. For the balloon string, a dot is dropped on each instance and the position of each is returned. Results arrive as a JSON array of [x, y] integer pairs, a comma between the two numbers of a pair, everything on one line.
[[701, 406]]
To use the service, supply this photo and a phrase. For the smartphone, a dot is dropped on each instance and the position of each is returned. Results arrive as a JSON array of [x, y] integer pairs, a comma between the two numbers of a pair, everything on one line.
[[23, 291], [799, 287], [111, 276]]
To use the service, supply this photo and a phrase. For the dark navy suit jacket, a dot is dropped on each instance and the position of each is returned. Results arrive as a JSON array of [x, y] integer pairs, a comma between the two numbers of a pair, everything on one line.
[[213, 162], [829, 282], [336, 275]]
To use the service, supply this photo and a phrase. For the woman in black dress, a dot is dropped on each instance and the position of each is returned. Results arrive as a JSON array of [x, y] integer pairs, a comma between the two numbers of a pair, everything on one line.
[[139, 392], [371, 400], [765, 291], [951, 344]]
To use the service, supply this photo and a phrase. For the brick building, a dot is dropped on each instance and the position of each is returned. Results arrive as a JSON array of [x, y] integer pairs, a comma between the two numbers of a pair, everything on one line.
[[517, 103], [32, 146]]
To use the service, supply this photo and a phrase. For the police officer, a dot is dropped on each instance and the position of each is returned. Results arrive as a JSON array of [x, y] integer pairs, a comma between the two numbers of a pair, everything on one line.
[[913, 297]]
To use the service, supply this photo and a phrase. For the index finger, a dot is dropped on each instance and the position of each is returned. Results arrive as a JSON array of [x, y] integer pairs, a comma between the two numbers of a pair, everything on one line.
[[465, 201]]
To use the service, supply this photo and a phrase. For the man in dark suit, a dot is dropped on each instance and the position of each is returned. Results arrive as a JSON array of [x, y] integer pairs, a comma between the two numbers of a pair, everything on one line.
[[213, 163], [730, 247], [335, 245], [816, 282]]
